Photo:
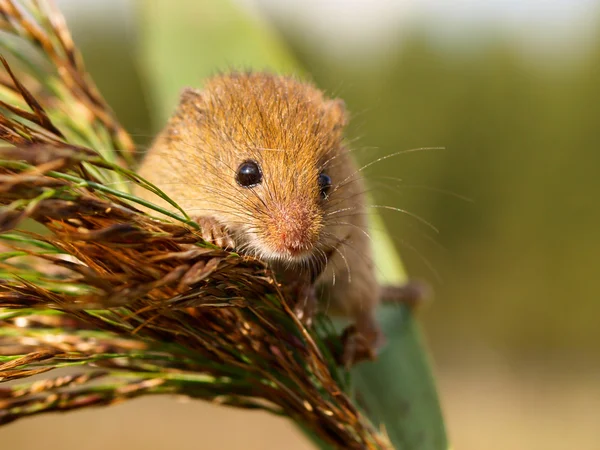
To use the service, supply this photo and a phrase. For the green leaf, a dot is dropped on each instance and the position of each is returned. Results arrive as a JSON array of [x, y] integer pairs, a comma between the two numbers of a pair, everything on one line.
[[398, 389]]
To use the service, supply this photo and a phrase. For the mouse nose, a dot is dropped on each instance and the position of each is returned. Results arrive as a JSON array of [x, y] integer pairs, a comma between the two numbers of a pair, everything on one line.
[[295, 228]]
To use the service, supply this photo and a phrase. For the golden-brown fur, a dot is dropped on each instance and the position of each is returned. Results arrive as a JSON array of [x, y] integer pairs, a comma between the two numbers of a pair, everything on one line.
[[294, 133]]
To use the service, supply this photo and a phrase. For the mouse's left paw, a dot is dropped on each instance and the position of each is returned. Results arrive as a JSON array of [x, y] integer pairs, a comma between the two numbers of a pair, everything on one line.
[[214, 232], [359, 345], [412, 294]]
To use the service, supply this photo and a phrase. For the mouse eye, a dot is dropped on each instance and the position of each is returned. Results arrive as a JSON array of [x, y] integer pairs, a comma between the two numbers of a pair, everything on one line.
[[248, 174], [324, 181]]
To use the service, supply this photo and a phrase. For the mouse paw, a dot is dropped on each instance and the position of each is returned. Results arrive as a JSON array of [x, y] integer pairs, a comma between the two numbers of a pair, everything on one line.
[[359, 345], [411, 294], [215, 233]]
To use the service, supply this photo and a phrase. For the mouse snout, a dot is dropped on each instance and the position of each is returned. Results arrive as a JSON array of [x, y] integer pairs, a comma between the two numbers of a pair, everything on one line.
[[294, 228]]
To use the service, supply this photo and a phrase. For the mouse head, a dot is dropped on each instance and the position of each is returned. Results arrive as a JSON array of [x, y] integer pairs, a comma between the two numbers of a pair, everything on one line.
[[263, 155]]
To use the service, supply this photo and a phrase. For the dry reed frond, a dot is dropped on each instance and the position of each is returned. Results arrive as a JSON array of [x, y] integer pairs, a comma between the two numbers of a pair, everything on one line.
[[147, 303], [41, 24]]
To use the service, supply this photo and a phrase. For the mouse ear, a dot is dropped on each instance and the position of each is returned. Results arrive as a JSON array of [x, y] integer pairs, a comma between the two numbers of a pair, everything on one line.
[[190, 104], [189, 94], [337, 108]]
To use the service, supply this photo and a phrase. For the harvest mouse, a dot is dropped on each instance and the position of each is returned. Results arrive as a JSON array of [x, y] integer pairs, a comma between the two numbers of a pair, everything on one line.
[[259, 161]]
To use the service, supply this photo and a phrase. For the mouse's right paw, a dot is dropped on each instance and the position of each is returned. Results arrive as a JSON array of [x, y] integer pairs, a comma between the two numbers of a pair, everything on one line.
[[215, 233]]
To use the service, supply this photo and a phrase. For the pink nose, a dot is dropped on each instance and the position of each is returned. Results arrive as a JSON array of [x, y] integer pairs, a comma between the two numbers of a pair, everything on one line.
[[294, 229]]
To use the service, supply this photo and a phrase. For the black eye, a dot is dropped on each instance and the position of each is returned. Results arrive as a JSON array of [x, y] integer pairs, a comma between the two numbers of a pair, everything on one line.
[[248, 174], [324, 184]]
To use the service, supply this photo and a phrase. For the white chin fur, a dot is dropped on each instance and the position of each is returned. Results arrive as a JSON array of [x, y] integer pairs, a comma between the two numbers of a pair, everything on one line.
[[265, 254], [254, 247]]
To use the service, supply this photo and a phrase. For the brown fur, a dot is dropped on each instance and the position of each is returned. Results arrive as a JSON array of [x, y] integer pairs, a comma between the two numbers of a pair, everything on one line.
[[294, 133]]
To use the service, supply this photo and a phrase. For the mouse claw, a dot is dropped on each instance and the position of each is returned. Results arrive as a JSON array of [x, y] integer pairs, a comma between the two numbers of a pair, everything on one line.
[[358, 346], [215, 233]]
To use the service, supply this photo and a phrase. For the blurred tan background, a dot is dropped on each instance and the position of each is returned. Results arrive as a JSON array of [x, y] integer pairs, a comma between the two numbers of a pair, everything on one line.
[[511, 90]]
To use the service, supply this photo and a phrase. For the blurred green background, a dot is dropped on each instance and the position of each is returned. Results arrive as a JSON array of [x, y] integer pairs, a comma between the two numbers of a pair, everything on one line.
[[511, 90]]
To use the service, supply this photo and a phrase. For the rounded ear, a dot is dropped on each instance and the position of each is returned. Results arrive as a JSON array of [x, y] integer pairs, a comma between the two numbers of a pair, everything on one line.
[[337, 108], [190, 103], [189, 94]]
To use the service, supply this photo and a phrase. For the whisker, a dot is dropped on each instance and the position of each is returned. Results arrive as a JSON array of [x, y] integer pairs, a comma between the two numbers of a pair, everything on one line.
[[345, 263], [423, 187], [355, 226], [423, 259], [414, 216], [391, 155], [392, 208]]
